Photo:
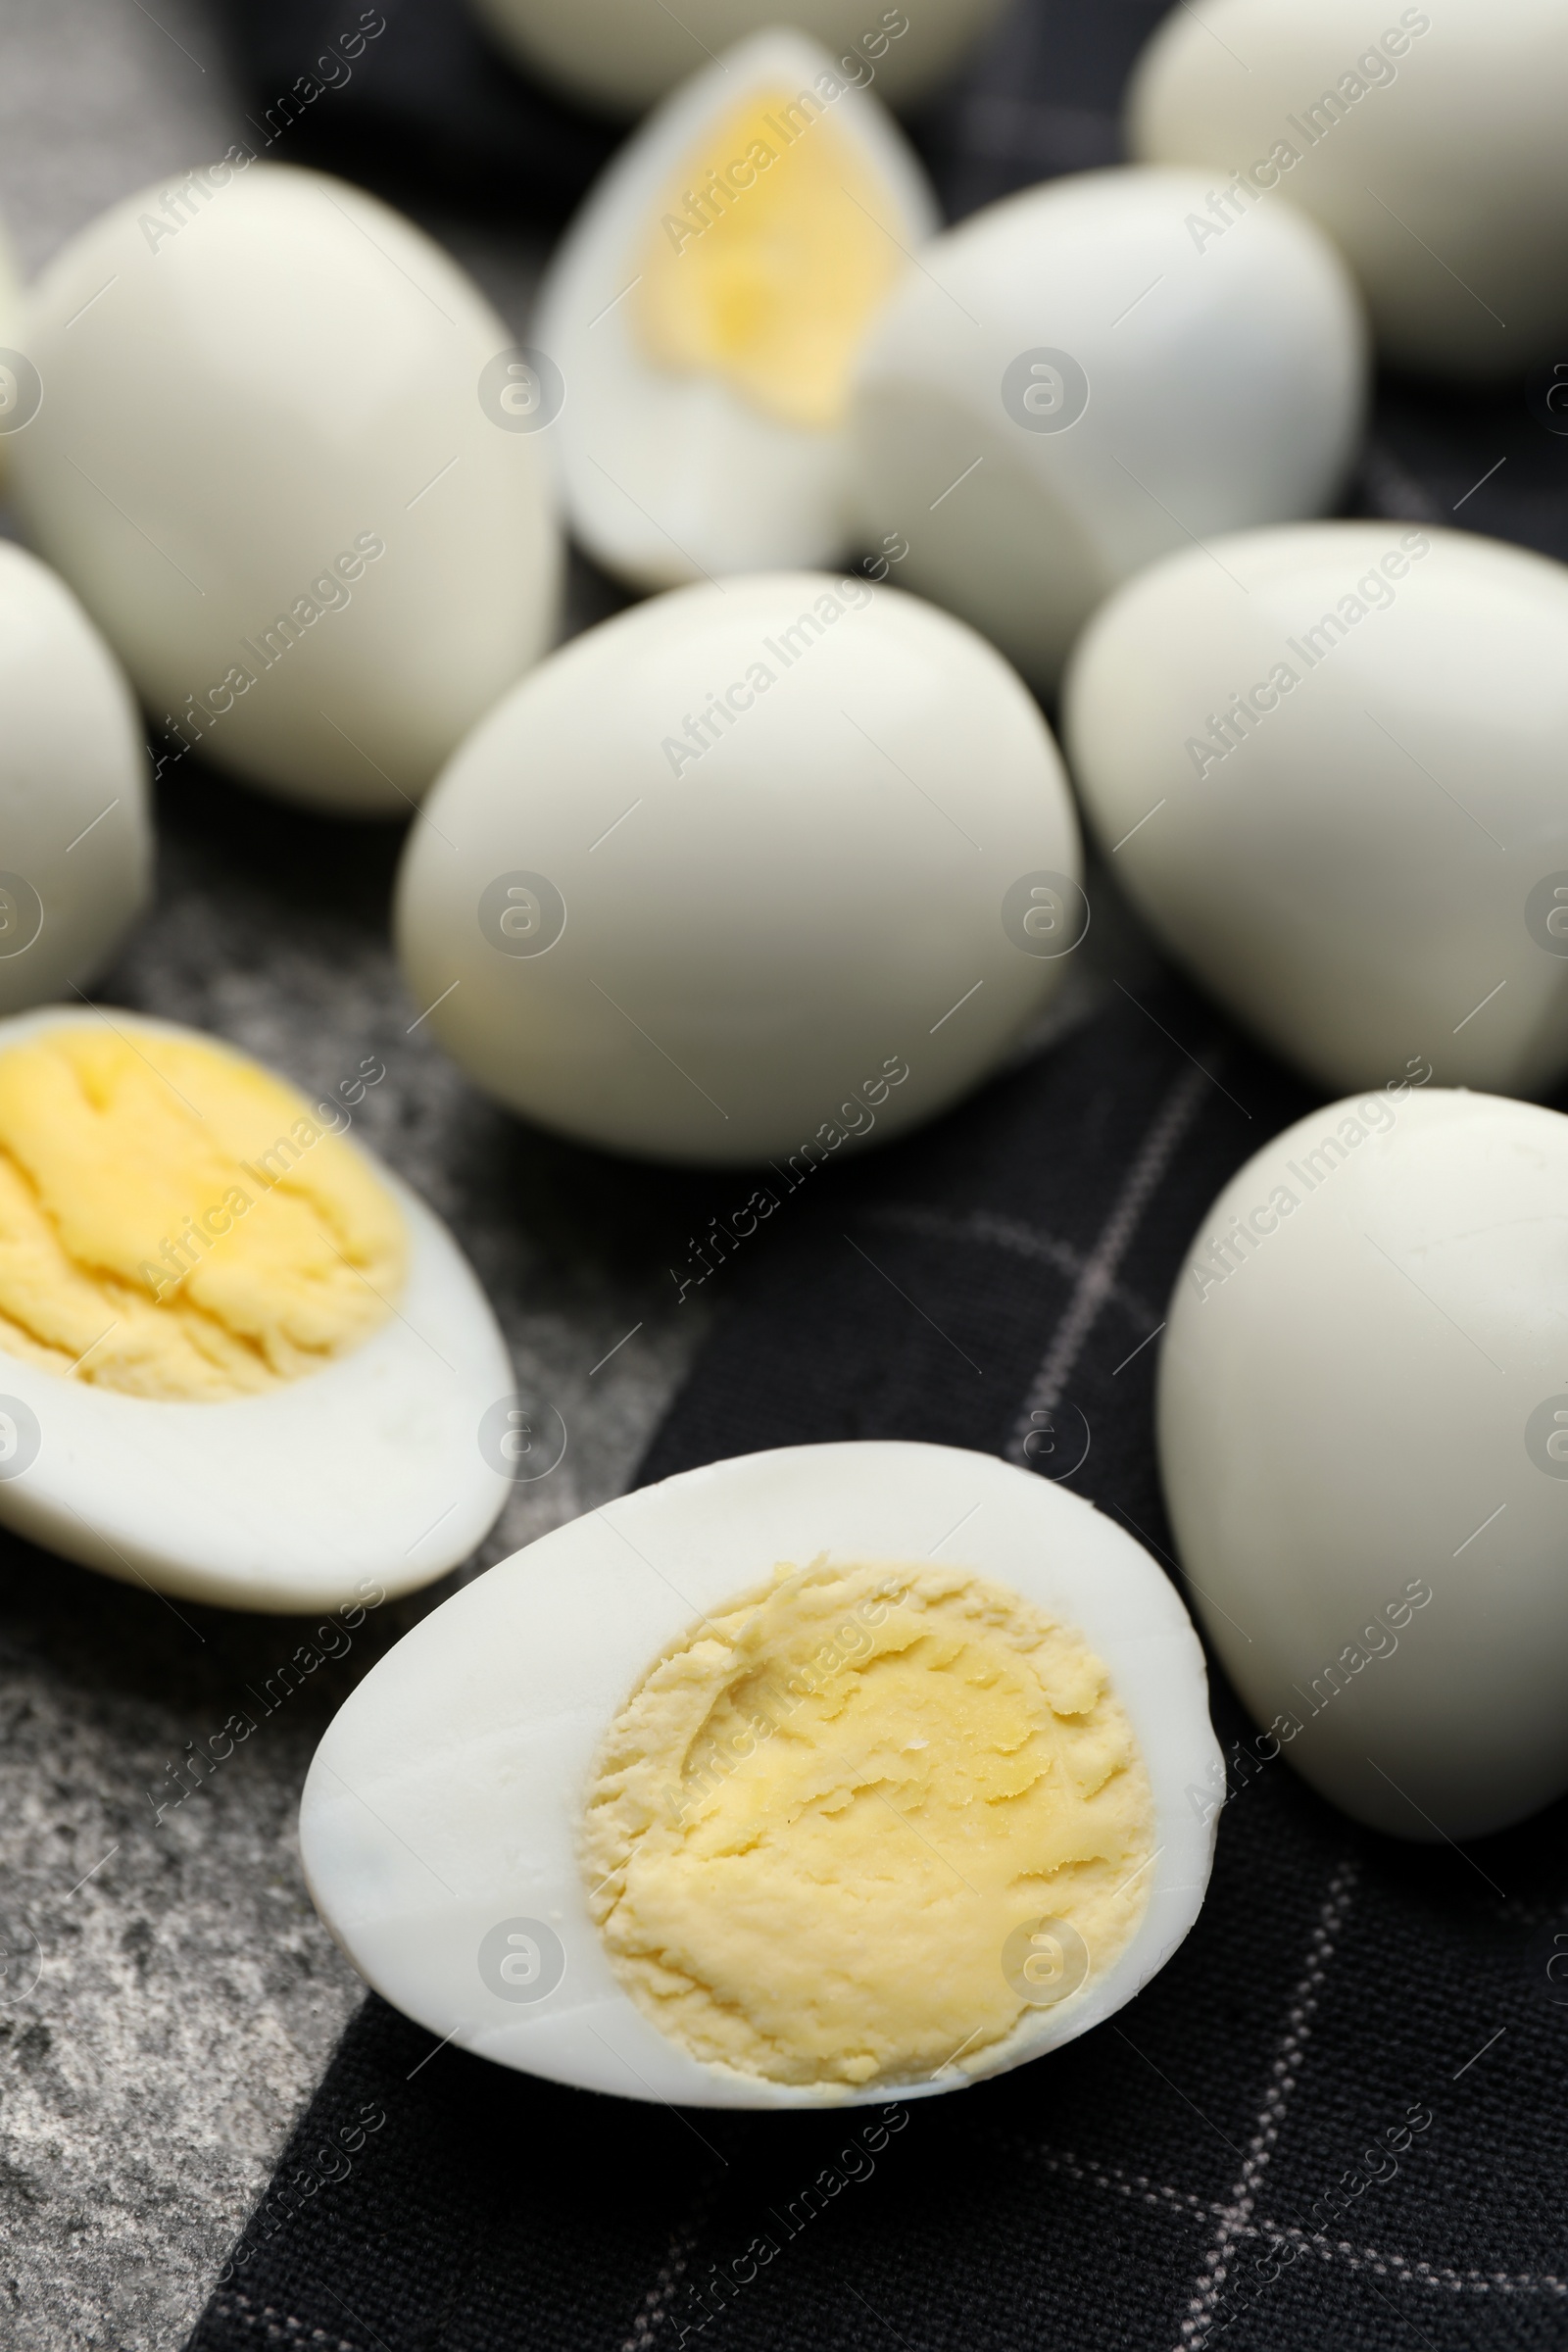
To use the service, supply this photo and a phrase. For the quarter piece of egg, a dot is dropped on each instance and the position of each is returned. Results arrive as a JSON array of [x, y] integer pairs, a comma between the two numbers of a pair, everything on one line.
[[746, 872], [262, 460], [239, 1361], [621, 55], [789, 1782], [1363, 1436], [1068, 388], [1430, 149], [75, 830], [705, 308], [1333, 760]]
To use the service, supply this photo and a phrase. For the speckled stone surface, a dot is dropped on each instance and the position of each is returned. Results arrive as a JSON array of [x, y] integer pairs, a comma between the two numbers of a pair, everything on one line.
[[188, 1996]]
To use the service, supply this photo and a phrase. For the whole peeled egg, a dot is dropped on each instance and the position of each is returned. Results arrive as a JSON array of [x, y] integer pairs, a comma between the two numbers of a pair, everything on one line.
[[747, 871], [701, 318], [1363, 1437], [622, 55], [240, 1362], [1428, 144], [261, 457], [76, 828], [796, 1781], [1068, 388], [1337, 792]]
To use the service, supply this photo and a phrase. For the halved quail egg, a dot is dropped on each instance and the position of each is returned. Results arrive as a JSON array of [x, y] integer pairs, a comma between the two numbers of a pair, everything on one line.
[[794, 1781], [240, 1360]]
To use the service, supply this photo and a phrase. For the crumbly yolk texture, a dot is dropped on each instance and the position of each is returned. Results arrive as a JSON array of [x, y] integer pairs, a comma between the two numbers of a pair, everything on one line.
[[816, 1823], [175, 1223], [768, 260]]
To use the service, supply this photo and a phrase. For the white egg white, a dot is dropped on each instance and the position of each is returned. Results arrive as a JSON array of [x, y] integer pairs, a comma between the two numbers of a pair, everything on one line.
[[1069, 386], [1363, 1437], [1354, 737], [368, 1472], [671, 477], [75, 824], [1426, 142], [766, 940], [445, 1800], [269, 460], [623, 55]]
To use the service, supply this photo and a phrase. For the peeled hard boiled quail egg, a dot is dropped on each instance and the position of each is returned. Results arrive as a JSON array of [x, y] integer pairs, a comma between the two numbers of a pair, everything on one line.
[[1336, 790], [780, 1783], [261, 458], [705, 308], [1428, 144], [622, 55], [746, 872], [239, 1361], [1364, 1434], [76, 833], [1067, 388]]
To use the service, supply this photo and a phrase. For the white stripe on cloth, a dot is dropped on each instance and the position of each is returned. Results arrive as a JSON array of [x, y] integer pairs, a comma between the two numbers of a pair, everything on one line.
[[656, 2304], [985, 1230], [1236, 2221], [1097, 1279], [1139, 2189]]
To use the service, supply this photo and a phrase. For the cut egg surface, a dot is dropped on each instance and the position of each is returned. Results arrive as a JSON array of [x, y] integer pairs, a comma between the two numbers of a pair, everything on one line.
[[705, 309], [786, 1782], [239, 1361]]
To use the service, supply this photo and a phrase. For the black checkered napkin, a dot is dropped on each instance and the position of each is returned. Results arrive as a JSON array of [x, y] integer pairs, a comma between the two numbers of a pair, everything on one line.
[[1335, 2118]]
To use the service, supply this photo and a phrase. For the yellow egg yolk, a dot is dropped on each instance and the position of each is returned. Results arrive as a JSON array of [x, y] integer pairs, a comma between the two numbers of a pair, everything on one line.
[[769, 259], [857, 1825], [175, 1223]]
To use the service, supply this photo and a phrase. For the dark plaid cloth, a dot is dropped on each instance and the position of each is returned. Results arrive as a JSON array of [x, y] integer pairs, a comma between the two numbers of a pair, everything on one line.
[[1337, 2119], [1184, 2175]]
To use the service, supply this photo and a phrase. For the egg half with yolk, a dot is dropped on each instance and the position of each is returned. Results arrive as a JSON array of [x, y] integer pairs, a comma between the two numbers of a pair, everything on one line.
[[793, 1781], [705, 311], [240, 1360]]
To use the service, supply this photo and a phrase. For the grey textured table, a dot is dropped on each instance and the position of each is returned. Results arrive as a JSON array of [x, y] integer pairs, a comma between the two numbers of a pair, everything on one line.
[[189, 1997]]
